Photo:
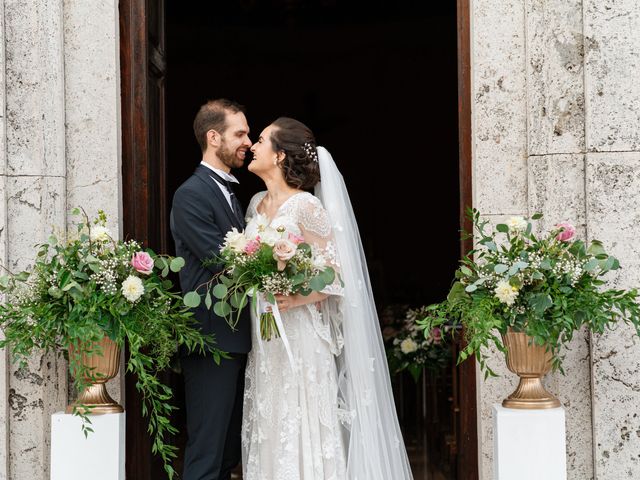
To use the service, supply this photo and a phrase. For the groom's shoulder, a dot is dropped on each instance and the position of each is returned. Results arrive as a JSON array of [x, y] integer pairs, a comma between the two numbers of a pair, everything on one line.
[[191, 186]]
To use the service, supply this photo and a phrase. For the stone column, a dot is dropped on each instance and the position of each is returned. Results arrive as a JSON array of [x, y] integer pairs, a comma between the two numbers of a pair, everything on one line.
[[34, 202], [499, 157], [529, 157], [92, 109], [612, 94]]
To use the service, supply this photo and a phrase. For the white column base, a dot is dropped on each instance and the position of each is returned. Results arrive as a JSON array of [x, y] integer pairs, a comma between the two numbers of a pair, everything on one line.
[[100, 456], [529, 444]]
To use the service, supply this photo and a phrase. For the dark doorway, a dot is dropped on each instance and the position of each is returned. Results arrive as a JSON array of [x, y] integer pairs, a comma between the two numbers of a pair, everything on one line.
[[378, 84]]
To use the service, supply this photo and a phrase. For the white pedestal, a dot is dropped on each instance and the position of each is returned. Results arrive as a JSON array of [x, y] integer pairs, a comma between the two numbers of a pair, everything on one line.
[[100, 456], [529, 444]]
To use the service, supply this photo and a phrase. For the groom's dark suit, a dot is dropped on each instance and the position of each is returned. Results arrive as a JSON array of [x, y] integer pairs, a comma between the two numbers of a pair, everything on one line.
[[200, 218]]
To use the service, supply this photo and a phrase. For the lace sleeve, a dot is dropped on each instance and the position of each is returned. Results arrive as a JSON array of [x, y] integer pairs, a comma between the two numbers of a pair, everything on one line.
[[316, 229]]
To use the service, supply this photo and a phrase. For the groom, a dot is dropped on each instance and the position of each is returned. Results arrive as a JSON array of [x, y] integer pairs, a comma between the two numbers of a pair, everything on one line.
[[204, 209]]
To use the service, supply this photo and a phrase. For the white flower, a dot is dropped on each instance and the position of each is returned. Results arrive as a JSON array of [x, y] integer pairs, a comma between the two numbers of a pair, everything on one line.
[[319, 262], [100, 234], [270, 236], [132, 288], [257, 225], [505, 292], [517, 224], [235, 240], [408, 346]]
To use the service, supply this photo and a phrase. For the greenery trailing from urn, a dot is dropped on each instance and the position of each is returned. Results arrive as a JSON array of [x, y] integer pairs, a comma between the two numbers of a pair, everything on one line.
[[89, 286], [548, 286]]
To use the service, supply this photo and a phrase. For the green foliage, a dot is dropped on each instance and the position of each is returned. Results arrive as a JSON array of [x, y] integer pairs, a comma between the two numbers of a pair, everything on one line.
[[76, 293], [547, 287], [410, 348]]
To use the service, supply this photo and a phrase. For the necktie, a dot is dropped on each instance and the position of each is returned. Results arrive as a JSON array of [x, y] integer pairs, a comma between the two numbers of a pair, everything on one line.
[[236, 207]]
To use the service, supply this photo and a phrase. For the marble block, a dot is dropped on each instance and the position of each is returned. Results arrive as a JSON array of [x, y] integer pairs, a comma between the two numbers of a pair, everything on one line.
[[100, 456], [529, 444]]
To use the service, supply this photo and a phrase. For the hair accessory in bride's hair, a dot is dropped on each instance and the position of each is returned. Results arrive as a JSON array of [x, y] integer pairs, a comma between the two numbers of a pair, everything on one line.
[[312, 152]]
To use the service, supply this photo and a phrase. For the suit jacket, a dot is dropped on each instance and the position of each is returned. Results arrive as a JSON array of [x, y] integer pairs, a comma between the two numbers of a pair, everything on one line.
[[200, 218]]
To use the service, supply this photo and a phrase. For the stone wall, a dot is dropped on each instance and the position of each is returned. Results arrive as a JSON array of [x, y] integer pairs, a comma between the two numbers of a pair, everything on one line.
[[59, 147], [556, 129]]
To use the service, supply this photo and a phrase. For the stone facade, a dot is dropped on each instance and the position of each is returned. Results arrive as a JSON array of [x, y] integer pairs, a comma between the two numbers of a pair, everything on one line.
[[556, 119], [556, 129], [59, 148]]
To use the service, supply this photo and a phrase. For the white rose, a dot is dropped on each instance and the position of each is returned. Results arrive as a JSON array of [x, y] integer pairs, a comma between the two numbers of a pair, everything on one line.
[[269, 236], [505, 292], [235, 240], [100, 234], [132, 288], [517, 224], [408, 346]]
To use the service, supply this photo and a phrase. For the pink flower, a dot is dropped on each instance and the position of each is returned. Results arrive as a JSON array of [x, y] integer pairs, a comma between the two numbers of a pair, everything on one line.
[[252, 246], [142, 262], [297, 239], [283, 251], [567, 233], [436, 335]]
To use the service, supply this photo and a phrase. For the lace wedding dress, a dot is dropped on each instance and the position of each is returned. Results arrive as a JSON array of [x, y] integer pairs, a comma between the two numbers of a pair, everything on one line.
[[291, 428]]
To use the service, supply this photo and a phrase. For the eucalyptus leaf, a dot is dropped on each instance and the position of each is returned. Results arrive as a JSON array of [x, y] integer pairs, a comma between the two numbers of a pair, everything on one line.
[[317, 283], [192, 299], [500, 268], [222, 309], [501, 227], [471, 288], [466, 270], [176, 264], [220, 291], [208, 301]]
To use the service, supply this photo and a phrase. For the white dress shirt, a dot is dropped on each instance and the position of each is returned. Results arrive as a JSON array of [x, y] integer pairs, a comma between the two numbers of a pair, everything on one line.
[[226, 176]]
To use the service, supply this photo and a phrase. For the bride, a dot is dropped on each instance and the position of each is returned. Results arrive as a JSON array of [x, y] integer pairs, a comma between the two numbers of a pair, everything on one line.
[[318, 403]]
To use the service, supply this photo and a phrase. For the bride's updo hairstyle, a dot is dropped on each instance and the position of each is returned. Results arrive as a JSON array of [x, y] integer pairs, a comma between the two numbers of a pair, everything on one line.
[[300, 165]]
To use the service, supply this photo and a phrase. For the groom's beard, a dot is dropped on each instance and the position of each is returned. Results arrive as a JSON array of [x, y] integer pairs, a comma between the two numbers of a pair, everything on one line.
[[228, 157]]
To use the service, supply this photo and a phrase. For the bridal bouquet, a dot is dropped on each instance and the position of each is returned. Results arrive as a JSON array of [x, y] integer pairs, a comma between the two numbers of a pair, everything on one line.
[[257, 264], [408, 348]]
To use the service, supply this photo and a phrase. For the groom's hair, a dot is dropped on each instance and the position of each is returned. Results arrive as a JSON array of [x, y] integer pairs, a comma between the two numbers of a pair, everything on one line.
[[213, 116]]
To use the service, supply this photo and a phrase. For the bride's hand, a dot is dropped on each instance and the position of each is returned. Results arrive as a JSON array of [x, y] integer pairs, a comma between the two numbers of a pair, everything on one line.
[[287, 302]]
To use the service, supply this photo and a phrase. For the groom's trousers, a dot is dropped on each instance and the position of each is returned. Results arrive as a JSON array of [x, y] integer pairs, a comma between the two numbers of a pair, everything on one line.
[[214, 395]]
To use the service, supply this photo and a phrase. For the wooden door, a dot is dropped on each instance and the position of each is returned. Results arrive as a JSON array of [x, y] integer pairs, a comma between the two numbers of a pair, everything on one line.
[[143, 69]]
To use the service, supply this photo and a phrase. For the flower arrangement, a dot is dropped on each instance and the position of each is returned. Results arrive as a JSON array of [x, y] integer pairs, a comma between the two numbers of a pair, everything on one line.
[[257, 264], [408, 348], [546, 286], [92, 286]]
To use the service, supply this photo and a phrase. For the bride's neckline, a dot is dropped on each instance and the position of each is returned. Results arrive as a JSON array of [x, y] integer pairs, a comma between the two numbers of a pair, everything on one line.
[[279, 208]]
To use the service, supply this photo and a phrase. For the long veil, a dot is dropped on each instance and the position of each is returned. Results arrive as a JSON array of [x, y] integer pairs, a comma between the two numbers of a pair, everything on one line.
[[375, 449]]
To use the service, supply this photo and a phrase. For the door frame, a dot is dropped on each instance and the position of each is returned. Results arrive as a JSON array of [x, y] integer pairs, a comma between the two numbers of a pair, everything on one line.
[[467, 416], [136, 183]]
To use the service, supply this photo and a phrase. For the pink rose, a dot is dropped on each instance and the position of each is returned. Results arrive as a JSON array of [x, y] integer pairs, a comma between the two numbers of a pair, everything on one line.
[[252, 246], [297, 239], [567, 233], [436, 335], [142, 262], [283, 251]]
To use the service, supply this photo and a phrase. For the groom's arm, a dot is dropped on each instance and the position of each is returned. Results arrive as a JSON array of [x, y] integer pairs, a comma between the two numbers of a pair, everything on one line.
[[196, 227]]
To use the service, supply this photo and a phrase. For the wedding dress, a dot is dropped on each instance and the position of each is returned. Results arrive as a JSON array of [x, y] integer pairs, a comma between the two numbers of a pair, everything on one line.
[[326, 413], [291, 424]]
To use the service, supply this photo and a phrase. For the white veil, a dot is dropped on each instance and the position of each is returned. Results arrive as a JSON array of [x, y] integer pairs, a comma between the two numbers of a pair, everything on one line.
[[375, 449]]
